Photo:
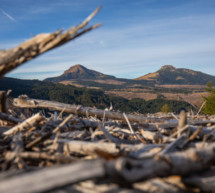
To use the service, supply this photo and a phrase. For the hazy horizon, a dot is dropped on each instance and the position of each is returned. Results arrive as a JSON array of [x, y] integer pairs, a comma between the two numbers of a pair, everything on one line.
[[137, 37]]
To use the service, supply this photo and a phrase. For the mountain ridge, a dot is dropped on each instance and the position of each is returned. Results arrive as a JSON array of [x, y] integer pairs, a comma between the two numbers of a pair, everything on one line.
[[167, 74]]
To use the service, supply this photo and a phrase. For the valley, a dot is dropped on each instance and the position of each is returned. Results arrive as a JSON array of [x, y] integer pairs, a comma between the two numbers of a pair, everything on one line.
[[147, 94]]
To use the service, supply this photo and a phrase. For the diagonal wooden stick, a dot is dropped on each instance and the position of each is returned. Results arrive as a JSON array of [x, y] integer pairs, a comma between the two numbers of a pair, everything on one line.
[[28, 123], [40, 44]]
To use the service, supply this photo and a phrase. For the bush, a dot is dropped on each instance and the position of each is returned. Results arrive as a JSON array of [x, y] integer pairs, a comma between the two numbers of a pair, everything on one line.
[[165, 108], [209, 107]]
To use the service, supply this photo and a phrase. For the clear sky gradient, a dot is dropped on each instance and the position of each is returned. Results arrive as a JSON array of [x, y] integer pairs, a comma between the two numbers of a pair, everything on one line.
[[137, 36]]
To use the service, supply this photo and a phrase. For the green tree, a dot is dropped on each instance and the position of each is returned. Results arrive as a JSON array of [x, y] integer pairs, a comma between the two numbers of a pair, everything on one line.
[[209, 107], [165, 108]]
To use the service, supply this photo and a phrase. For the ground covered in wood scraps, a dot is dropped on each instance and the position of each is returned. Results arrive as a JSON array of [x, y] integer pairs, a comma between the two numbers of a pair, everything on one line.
[[71, 148]]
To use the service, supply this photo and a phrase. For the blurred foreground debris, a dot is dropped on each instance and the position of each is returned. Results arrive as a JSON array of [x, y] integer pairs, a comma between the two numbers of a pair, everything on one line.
[[80, 149], [10, 59]]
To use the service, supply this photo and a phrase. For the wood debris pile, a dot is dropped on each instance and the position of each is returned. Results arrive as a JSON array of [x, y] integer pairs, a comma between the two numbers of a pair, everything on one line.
[[78, 149], [67, 148]]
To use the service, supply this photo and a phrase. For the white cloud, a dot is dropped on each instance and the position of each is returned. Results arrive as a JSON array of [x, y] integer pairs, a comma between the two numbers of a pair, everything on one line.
[[8, 15]]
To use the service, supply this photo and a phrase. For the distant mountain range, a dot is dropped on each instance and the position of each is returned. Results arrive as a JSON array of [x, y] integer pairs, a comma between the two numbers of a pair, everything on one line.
[[168, 83], [165, 75]]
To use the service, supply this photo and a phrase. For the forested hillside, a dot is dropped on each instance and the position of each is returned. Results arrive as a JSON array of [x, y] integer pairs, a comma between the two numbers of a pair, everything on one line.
[[87, 97]]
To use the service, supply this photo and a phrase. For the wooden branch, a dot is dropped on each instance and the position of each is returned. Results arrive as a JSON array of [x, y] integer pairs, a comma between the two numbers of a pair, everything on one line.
[[152, 136], [53, 177], [3, 102], [87, 148], [182, 122], [46, 156], [27, 124], [172, 184], [10, 118], [177, 163], [108, 135], [77, 123], [203, 104], [39, 140], [17, 147], [204, 181], [40, 44], [62, 124], [204, 131], [77, 109], [84, 111], [147, 151], [175, 144], [17, 143]]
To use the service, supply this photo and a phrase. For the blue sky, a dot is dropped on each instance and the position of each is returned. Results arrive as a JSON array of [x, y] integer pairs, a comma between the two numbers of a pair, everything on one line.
[[137, 36]]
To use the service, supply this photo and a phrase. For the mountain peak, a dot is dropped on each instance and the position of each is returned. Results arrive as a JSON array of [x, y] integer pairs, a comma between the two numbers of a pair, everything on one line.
[[167, 67], [78, 68], [79, 72]]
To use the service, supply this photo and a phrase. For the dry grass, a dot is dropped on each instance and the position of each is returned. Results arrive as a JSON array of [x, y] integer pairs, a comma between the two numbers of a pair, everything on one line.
[[73, 83], [149, 76], [109, 81], [181, 86], [192, 98]]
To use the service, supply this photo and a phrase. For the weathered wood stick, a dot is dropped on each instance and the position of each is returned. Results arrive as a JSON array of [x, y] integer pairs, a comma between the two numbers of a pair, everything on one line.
[[190, 122], [203, 104], [3, 102], [182, 121], [76, 109], [159, 185], [178, 131], [39, 140], [204, 181], [108, 135], [84, 111], [40, 44], [62, 124], [147, 151], [17, 143], [175, 144], [86, 148], [152, 136], [16, 148], [204, 131], [192, 160], [46, 156], [116, 140], [77, 123], [28, 123], [53, 177], [10, 118], [195, 133]]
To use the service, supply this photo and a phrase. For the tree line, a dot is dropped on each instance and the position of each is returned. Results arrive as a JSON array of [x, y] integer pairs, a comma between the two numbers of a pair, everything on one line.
[[86, 97]]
